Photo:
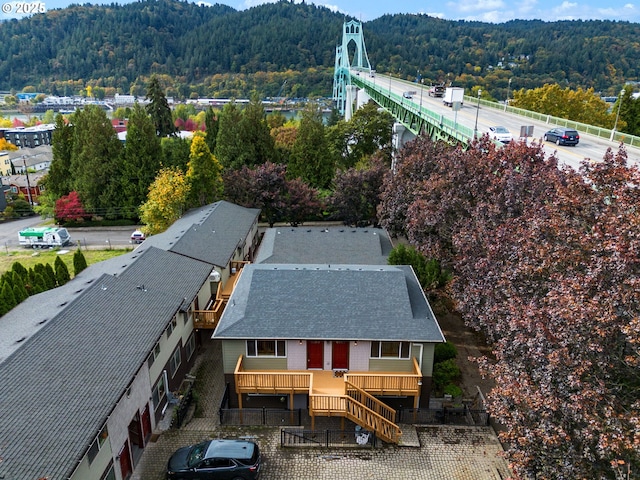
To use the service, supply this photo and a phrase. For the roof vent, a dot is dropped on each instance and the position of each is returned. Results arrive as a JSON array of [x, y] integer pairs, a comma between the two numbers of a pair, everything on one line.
[[21, 339], [43, 321]]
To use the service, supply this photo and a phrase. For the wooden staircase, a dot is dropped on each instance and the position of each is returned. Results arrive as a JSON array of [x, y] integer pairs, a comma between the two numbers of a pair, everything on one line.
[[361, 408]]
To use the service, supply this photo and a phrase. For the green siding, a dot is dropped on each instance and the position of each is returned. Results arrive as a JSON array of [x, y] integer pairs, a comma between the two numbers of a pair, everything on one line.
[[232, 349], [427, 359], [264, 363], [390, 365]]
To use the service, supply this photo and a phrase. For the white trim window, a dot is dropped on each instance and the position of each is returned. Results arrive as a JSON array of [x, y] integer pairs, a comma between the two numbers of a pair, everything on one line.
[[159, 391], [190, 347], [266, 348], [175, 361], [390, 349]]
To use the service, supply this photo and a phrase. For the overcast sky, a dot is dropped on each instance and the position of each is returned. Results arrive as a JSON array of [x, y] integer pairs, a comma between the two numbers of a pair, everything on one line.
[[494, 11]]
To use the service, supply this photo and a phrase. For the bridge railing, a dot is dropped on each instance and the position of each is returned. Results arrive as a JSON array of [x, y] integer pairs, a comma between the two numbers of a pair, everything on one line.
[[600, 132]]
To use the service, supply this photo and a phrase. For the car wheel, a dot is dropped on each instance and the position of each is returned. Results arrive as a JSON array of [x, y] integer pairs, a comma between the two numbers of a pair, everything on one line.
[[546, 139], [557, 141]]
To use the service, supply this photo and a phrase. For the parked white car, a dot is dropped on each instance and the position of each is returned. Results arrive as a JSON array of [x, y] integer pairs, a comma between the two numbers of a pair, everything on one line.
[[500, 134], [138, 237]]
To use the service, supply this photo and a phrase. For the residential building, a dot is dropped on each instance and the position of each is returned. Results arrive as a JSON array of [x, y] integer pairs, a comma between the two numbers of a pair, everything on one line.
[[30, 159], [30, 136], [87, 368], [321, 322], [348, 340], [27, 185]]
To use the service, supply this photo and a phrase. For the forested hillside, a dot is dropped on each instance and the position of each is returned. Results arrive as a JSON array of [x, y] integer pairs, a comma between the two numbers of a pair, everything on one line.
[[218, 51]]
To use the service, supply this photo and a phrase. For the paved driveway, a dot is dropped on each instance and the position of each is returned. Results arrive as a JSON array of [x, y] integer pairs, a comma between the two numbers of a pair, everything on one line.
[[444, 452]]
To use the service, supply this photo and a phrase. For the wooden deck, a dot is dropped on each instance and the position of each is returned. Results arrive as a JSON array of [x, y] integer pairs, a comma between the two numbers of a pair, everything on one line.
[[210, 316], [348, 395]]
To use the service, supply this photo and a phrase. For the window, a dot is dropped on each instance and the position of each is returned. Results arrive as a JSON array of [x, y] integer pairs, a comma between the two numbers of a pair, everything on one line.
[[390, 349], [171, 326], [176, 360], [109, 473], [266, 348], [14, 189], [159, 391], [190, 347], [156, 350], [151, 359], [97, 443]]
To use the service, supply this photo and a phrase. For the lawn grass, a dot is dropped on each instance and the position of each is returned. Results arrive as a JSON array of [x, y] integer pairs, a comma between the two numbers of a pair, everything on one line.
[[29, 258]]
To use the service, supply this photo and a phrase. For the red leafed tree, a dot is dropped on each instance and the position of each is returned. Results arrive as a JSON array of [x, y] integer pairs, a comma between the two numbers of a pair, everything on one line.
[[69, 208], [546, 264]]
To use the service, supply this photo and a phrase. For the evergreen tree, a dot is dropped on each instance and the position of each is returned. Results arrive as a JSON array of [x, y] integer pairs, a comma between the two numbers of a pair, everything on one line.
[[255, 131], [62, 272], [175, 153], [159, 109], [39, 284], [204, 174], [59, 180], [50, 276], [142, 156], [22, 272], [19, 291], [211, 128], [96, 165], [8, 300], [79, 262], [230, 146], [310, 159]]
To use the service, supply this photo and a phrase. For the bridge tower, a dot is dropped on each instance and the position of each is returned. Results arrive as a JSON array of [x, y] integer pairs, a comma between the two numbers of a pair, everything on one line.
[[351, 32]]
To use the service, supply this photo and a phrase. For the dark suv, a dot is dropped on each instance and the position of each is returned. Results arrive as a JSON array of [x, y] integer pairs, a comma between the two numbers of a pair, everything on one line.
[[562, 136], [216, 460]]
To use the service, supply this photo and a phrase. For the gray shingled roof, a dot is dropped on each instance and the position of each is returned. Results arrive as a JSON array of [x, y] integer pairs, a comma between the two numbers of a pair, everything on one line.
[[60, 386], [334, 302], [210, 234], [329, 245]]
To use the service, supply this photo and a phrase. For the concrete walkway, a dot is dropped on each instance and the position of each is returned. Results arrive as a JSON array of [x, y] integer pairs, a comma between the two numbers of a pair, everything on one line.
[[432, 452]]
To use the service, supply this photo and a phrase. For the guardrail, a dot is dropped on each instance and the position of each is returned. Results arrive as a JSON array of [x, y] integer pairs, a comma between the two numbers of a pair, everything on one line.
[[600, 132]]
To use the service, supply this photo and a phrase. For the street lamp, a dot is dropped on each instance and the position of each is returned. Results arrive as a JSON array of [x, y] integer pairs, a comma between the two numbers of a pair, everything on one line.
[[615, 125], [506, 103], [421, 85], [475, 128]]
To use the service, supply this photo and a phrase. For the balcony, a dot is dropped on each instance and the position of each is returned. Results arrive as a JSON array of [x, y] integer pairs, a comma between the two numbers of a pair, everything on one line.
[[210, 316]]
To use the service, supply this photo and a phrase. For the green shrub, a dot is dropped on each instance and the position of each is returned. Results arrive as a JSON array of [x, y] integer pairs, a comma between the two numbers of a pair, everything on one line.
[[444, 351], [453, 390], [445, 373]]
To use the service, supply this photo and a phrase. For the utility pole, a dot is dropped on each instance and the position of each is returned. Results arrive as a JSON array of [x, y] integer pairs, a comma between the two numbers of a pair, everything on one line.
[[615, 125], [475, 128], [26, 172]]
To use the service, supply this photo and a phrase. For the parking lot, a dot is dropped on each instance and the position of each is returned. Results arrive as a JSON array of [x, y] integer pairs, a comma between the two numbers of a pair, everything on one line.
[[432, 452]]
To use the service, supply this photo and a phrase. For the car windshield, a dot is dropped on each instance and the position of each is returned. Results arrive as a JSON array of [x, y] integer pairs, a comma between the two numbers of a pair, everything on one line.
[[196, 454], [500, 130]]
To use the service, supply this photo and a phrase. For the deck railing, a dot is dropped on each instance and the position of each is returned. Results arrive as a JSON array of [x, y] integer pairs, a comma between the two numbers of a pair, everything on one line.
[[209, 317], [270, 382], [384, 383]]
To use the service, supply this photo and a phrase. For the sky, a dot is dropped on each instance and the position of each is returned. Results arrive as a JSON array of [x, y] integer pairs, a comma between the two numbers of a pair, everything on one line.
[[493, 11]]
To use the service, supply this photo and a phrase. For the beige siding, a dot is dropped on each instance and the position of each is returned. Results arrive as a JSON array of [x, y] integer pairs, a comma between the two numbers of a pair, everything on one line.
[[296, 355], [359, 356]]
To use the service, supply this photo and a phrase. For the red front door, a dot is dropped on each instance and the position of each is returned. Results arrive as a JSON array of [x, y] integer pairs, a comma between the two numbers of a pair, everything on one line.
[[315, 353], [125, 461], [340, 356]]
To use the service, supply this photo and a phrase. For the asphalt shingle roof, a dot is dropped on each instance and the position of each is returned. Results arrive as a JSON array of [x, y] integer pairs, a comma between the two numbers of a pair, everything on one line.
[[329, 245], [62, 383], [366, 302], [210, 234]]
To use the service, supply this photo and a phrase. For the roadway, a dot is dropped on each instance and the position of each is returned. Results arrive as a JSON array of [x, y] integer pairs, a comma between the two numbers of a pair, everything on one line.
[[590, 146]]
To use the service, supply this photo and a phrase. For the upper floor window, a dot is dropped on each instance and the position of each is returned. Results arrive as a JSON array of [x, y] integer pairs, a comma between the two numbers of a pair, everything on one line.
[[390, 349], [266, 348]]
